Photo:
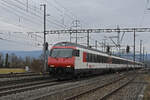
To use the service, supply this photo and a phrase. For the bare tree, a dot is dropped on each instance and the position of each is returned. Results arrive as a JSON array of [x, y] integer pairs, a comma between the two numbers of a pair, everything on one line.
[[1, 60], [37, 65]]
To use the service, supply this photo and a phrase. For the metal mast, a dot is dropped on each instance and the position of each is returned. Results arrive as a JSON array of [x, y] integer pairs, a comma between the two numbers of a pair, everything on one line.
[[44, 46]]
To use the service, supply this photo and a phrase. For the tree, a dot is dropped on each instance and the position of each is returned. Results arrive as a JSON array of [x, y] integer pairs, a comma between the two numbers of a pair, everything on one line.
[[27, 61], [13, 62], [6, 60], [1, 60], [37, 65]]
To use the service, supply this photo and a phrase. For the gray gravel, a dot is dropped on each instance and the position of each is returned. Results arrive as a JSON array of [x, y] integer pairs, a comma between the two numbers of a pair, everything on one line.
[[131, 91], [20, 78], [27, 95]]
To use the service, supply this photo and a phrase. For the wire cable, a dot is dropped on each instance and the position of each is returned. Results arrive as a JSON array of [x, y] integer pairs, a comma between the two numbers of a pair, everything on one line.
[[40, 17]]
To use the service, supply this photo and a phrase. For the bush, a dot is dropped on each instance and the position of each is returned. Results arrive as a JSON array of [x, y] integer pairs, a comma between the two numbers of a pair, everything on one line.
[[36, 65]]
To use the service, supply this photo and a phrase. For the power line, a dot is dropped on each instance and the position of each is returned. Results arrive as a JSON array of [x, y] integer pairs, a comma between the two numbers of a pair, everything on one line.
[[144, 12], [27, 44], [16, 6], [21, 8], [73, 16], [61, 11], [17, 25], [98, 30], [30, 13], [65, 11], [38, 11], [29, 37], [17, 11]]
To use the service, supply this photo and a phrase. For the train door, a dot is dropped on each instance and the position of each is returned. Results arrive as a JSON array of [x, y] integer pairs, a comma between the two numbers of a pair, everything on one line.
[[77, 55]]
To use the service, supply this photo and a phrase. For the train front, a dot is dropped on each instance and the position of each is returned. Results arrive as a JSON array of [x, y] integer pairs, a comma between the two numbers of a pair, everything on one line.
[[61, 61]]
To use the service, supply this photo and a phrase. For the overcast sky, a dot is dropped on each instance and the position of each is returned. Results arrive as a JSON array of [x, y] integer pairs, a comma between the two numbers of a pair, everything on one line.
[[91, 13]]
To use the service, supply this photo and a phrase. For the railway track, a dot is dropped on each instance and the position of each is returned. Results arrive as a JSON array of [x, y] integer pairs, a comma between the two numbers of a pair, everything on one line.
[[9, 79], [116, 89], [104, 91], [99, 88], [7, 90], [19, 75], [22, 79], [68, 93]]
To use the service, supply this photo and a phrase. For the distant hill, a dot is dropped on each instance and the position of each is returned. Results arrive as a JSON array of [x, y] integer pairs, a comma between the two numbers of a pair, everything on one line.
[[137, 56], [36, 54], [23, 54]]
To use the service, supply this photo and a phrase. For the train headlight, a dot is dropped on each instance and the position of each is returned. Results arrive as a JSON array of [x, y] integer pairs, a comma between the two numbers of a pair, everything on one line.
[[68, 66], [52, 66]]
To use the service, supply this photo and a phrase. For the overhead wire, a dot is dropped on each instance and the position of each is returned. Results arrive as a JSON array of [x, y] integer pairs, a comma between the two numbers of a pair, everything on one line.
[[27, 44], [32, 35], [22, 11], [35, 15], [29, 37], [22, 42], [40, 12], [20, 14], [69, 13], [64, 10], [18, 25], [144, 12], [60, 10]]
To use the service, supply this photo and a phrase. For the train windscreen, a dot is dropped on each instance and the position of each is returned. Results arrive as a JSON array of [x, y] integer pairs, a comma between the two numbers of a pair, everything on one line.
[[61, 52]]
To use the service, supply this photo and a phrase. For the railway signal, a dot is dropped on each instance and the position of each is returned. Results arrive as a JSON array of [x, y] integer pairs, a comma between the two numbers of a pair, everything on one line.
[[46, 46], [108, 49], [128, 49]]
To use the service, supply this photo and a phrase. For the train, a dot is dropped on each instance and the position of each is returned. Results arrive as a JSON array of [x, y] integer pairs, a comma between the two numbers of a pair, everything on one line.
[[67, 60]]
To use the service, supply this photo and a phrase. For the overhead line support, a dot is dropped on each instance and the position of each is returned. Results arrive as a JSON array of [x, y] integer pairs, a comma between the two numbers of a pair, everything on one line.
[[134, 50], [98, 30], [44, 46]]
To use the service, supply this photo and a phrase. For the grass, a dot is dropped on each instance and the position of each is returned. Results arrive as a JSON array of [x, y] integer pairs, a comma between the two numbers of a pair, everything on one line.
[[11, 70]]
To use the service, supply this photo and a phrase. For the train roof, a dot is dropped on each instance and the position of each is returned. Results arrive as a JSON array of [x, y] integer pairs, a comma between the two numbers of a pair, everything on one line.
[[76, 45], [85, 47]]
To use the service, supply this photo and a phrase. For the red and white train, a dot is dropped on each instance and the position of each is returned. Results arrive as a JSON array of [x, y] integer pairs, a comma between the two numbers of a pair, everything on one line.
[[69, 59]]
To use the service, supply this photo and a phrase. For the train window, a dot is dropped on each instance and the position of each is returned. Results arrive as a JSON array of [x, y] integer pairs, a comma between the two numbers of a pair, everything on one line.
[[99, 58], [96, 58], [113, 61], [105, 59], [116, 61], [124, 62], [92, 57], [76, 53], [120, 62], [87, 57], [61, 52], [50, 53]]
